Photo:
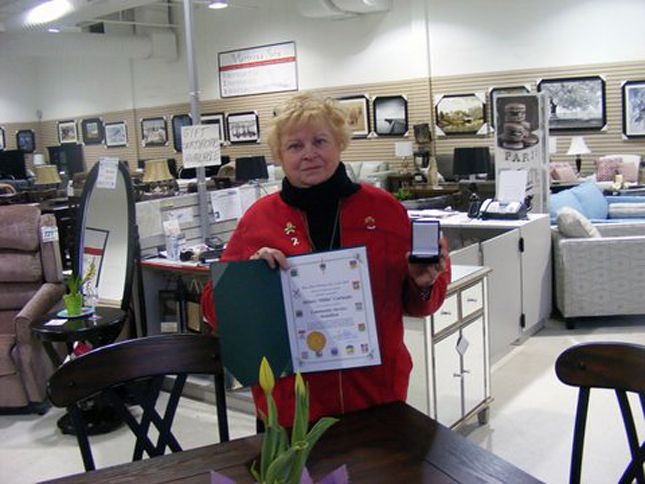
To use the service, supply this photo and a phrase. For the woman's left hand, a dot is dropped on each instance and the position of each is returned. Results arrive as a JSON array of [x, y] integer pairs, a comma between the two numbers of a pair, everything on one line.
[[424, 275]]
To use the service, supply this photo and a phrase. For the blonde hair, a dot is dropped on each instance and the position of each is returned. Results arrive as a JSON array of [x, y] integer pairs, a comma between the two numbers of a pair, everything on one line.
[[307, 108]]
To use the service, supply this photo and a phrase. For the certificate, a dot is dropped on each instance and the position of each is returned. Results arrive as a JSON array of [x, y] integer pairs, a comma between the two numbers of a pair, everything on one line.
[[329, 311]]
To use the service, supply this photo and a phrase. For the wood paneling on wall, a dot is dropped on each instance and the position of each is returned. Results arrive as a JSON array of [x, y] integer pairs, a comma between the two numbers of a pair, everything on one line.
[[10, 130], [609, 141]]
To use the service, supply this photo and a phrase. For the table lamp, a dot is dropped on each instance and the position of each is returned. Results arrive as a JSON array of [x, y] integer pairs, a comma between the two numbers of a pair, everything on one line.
[[156, 174], [578, 147], [403, 149], [46, 175]]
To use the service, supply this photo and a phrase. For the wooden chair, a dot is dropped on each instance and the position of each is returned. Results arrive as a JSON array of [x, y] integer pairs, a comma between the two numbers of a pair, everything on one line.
[[615, 366], [146, 361]]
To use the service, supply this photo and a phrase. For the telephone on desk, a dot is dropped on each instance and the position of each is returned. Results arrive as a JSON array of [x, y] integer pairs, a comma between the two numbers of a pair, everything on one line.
[[494, 209]]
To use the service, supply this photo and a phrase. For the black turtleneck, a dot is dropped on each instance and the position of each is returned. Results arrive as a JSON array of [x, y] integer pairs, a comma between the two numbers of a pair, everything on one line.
[[321, 204]]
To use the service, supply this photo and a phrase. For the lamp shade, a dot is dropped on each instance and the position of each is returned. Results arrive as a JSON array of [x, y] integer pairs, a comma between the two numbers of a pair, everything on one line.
[[403, 148], [46, 175], [578, 146], [156, 171]]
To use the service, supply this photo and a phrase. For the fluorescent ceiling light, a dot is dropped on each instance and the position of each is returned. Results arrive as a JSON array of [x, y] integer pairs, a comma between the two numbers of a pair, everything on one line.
[[48, 11], [217, 4]]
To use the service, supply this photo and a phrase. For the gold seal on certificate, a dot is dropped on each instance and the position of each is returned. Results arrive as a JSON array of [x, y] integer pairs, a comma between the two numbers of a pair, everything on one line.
[[316, 341]]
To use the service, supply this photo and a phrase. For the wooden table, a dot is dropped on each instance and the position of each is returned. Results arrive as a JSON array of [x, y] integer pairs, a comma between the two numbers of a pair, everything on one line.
[[386, 444]]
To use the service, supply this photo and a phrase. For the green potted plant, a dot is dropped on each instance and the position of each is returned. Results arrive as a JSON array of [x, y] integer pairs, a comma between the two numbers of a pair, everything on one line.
[[74, 298]]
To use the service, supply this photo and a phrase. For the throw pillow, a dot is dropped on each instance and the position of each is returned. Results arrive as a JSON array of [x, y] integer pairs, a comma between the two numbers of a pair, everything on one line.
[[627, 210], [565, 173], [607, 167], [593, 202], [573, 224], [629, 171]]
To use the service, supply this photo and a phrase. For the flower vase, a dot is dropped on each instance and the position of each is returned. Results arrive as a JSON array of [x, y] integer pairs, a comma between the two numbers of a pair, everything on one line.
[[73, 303]]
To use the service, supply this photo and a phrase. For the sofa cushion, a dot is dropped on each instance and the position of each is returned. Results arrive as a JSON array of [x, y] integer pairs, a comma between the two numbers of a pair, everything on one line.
[[7, 365], [20, 267], [627, 210], [14, 295], [591, 199], [20, 227], [607, 167], [564, 173], [562, 199], [573, 224], [629, 172]]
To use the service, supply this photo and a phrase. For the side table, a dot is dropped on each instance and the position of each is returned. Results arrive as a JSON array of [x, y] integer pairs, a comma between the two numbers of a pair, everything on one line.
[[100, 330]]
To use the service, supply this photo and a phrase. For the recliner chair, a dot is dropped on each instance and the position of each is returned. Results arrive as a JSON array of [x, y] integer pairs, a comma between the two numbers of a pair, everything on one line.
[[30, 286]]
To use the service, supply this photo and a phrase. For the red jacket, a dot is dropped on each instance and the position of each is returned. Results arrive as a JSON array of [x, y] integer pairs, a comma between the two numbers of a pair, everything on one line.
[[370, 217]]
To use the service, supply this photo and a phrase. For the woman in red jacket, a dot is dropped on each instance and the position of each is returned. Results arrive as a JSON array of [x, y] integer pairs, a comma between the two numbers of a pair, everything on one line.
[[320, 209]]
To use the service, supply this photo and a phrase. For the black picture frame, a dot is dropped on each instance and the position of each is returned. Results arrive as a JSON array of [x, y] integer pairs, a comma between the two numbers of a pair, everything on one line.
[[219, 120], [496, 91], [179, 121], [243, 127], [67, 132], [26, 140], [3, 139], [358, 114], [93, 131], [390, 115], [460, 114], [116, 134], [154, 132], [575, 103], [633, 97]]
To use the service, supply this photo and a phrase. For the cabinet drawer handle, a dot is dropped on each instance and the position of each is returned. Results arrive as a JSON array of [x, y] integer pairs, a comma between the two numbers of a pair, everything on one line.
[[457, 375], [445, 313], [465, 371], [472, 299]]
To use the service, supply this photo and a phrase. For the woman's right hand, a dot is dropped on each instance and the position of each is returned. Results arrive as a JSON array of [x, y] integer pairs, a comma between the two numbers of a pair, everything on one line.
[[273, 257]]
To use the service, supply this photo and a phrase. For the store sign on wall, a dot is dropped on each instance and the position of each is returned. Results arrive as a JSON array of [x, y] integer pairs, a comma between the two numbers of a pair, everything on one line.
[[258, 70]]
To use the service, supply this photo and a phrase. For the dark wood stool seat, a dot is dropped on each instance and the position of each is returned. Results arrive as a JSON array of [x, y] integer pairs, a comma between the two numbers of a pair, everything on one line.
[[145, 361], [615, 366]]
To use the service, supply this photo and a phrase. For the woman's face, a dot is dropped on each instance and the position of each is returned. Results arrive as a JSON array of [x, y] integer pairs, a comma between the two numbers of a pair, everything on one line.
[[310, 154]]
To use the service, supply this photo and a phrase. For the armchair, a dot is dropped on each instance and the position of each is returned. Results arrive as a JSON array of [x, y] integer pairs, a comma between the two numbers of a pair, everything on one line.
[[600, 276], [30, 285]]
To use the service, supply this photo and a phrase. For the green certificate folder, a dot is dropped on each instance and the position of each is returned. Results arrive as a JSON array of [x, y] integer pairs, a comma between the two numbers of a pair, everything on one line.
[[251, 318]]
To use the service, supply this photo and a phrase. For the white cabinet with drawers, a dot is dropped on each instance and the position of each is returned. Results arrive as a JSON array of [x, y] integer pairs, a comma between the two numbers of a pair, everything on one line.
[[450, 379]]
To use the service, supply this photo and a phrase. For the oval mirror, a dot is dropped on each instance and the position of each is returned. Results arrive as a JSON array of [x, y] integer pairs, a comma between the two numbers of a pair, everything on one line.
[[106, 233]]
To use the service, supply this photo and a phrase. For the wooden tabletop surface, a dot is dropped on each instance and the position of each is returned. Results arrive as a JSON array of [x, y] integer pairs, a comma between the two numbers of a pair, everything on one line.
[[389, 443]]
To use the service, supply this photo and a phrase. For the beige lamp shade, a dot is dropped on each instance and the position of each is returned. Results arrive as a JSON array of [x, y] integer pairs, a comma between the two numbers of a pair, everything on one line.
[[578, 146], [156, 171], [46, 175]]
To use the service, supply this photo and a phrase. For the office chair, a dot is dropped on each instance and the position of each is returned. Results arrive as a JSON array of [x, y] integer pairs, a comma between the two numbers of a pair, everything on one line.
[[615, 366], [146, 362]]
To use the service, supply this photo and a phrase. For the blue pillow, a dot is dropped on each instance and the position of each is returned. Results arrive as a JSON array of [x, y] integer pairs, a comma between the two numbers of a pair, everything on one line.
[[593, 202], [565, 198]]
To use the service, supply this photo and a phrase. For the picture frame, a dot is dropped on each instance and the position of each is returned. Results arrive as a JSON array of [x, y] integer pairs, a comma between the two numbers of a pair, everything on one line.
[[633, 96], [154, 132], [179, 121], [93, 131], [390, 115], [575, 103], [358, 114], [497, 91], [243, 127], [3, 139], [116, 134], [217, 119], [67, 132], [460, 114], [26, 140]]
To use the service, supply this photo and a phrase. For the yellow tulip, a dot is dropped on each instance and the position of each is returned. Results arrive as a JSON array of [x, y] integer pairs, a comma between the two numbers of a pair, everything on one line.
[[300, 385], [267, 380]]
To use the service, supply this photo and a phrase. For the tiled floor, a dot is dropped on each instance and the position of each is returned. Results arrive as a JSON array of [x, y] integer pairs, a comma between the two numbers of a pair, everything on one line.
[[530, 424]]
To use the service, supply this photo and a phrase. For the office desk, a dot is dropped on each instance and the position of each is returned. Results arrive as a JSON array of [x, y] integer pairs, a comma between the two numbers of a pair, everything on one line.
[[388, 443]]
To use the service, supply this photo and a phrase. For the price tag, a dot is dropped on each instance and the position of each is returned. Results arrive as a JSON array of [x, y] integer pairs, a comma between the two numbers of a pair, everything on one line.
[[462, 345], [49, 233], [108, 169]]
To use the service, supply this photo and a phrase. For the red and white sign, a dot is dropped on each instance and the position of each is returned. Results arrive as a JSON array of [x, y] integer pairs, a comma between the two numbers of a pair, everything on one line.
[[258, 70]]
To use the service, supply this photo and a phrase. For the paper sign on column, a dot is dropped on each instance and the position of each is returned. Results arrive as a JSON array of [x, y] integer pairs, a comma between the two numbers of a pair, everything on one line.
[[200, 145], [226, 204], [108, 169]]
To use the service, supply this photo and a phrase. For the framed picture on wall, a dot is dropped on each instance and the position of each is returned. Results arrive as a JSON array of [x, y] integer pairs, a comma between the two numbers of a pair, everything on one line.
[[217, 119], [243, 127], [460, 114], [497, 91], [178, 122], [3, 142], [633, 109], [154, 132], [116, 134], [93, 131], [575, 103], [67, 132], [358, 114], [390, 115], [26, 140]]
